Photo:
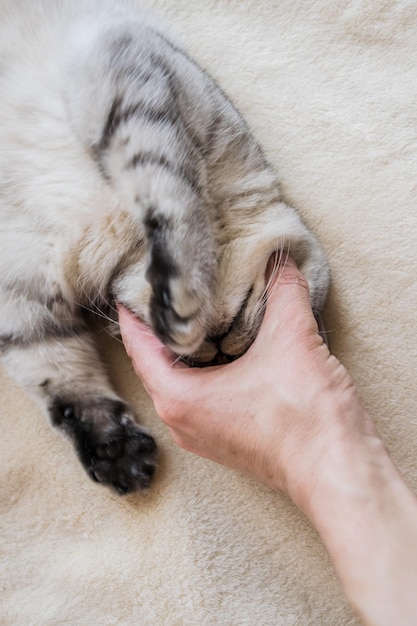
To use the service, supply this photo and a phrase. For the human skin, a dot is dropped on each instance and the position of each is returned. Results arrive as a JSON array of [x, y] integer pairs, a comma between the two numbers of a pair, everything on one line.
[[288, 413]]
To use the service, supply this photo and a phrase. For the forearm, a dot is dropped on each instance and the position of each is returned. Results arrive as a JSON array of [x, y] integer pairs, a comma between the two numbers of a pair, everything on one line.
[[367, 518]]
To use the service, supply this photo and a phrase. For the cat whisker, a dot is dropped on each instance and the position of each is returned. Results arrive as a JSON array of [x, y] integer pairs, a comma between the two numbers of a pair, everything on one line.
[[94, 309], [275, 273], [178, 359]]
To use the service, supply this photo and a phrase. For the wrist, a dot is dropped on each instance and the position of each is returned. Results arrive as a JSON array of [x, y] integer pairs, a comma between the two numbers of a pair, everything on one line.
[[337, 437], [353, 473], [365, 515]]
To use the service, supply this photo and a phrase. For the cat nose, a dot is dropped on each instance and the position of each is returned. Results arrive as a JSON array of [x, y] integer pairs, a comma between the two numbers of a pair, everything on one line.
[[221, 357], [213, 354]]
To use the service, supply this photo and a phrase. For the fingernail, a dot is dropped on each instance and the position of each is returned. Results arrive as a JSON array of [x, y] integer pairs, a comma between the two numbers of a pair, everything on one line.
[[289, 261], [280, 259]]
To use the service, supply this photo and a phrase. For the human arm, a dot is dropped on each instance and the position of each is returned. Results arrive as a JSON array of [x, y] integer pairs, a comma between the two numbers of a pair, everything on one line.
[[288, 413]]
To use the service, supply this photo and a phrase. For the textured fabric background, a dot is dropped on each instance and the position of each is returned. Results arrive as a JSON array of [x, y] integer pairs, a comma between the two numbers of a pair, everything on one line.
[[330, 91]]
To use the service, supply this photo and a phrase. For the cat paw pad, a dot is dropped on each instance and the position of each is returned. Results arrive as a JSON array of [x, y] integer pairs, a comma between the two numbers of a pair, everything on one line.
[[114, 450]]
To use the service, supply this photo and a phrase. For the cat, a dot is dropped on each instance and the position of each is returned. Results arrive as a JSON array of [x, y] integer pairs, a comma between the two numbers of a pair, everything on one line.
[[126, 175]]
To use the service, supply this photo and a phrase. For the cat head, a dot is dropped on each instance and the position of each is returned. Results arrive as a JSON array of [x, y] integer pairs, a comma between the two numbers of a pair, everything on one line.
[[202, 286]]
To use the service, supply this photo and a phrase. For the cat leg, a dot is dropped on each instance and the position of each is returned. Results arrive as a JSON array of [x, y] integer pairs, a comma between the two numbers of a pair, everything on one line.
[[63, 372]]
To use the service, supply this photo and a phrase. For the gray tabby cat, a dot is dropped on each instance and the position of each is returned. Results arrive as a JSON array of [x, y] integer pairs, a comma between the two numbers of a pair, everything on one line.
[[125, 175]]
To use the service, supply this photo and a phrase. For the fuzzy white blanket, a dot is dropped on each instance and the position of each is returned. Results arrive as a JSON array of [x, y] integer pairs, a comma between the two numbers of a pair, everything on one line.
[[330, 90]]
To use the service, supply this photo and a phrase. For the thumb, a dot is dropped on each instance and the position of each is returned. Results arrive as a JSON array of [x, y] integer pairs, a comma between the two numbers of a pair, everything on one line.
[[288, 303]]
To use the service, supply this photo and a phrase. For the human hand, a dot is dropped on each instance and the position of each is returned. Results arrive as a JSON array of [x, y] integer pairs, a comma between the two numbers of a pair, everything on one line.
[[287, 413], [272, 413]]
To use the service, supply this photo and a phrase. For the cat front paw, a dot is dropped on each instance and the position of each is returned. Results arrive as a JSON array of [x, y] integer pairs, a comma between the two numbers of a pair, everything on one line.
[[114, 450]]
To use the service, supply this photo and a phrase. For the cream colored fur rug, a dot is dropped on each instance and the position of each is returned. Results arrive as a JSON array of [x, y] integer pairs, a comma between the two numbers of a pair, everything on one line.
[[330, 90]]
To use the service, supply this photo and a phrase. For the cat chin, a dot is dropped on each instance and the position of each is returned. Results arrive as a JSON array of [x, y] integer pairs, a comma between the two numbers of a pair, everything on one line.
[[205, 354]]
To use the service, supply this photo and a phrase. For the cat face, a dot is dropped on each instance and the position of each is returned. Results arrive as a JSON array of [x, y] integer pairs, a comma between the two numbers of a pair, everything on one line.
[[203, 290], [210, 316], [239, 300]]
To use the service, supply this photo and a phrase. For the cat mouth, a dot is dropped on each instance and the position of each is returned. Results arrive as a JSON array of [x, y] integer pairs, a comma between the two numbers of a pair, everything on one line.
[[210, 353], [219, 359]]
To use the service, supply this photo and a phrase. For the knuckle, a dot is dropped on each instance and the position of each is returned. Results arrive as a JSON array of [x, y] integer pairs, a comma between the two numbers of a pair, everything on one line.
[[180, 440], [174, 400], [290, 277], [170, 409]]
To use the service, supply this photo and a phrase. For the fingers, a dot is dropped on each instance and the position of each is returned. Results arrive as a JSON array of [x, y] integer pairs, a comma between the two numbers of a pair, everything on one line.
[[288, 301], [150, 358]]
